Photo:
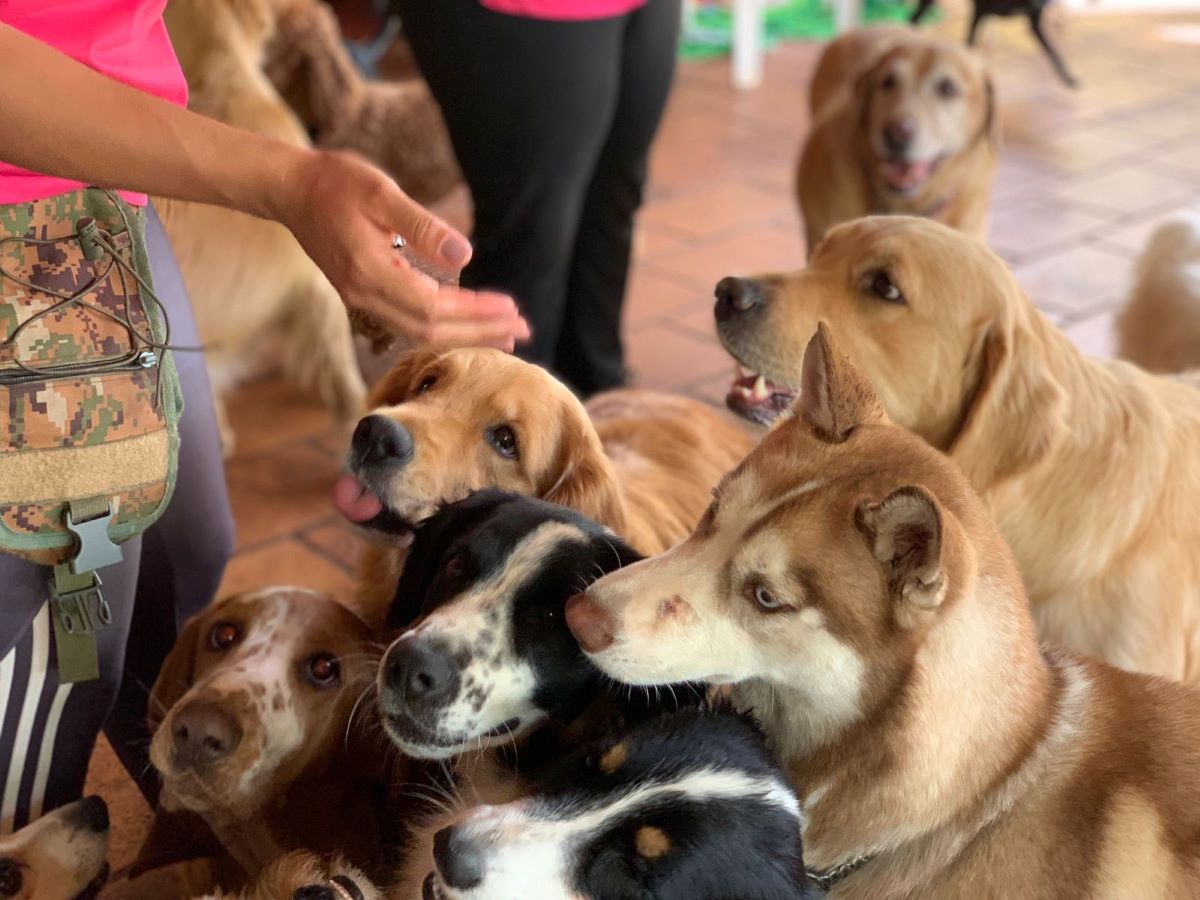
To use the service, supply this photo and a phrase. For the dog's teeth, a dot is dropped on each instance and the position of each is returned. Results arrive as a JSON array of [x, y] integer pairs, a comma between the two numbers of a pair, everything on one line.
[[760, 388]]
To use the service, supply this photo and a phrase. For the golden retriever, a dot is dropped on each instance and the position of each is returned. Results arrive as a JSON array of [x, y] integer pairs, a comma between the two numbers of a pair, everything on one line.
[[447, 423], [850, 586], [1159, 329], [61, 856], [903, 123], [251, 286], [1091, 467]]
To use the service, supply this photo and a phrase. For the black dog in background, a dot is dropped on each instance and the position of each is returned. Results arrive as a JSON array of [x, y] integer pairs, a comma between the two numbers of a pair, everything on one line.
[[1031, 8]]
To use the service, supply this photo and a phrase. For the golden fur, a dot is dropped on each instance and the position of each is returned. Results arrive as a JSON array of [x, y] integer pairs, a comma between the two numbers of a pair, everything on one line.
[[57, 857], [850, 585], [296, 751], [1090, 467], [839, 175], [251, 285], [1159, 329], [287, 875], [640, 462]]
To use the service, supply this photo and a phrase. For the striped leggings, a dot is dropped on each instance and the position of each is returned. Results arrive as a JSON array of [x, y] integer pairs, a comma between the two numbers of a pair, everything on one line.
[[47, 729]]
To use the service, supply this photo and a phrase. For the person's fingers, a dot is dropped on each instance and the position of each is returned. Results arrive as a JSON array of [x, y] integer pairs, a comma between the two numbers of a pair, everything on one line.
[[498, 333], [428, 236], [460, 303]]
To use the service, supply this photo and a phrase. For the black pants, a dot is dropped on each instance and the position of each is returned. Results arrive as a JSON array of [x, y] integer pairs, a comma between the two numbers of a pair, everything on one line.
[[552, 122]]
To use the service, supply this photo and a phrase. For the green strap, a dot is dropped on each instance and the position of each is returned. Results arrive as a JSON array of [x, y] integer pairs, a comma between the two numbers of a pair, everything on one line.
[[79, 610]]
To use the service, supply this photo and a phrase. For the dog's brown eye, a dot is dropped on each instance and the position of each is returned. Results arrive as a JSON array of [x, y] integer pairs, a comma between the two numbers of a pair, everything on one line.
[[766, 600], [881, 285], [11, 879], [224, 635], [504, 439], [323, 670], [426, 383], [889, 81], [947, 89]]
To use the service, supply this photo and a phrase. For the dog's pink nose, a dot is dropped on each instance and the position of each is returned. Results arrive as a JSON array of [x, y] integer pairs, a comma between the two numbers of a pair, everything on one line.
[[590, 623]]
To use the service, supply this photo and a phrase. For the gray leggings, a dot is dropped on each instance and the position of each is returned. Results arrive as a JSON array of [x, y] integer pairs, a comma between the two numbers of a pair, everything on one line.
[[48, 730]]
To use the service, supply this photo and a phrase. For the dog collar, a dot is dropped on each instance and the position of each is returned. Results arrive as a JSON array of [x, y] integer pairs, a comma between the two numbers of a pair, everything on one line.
[[345, 888], [827, 879]]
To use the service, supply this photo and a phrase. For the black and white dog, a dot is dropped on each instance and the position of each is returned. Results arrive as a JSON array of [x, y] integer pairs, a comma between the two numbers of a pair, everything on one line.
[[485, 655], [686, 806]]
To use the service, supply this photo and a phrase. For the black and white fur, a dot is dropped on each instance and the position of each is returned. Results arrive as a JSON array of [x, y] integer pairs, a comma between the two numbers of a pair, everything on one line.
[[485, 655], [686, 806], [485, 670]]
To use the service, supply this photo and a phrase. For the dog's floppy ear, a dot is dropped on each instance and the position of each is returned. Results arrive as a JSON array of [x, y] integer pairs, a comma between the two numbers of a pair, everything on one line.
[[176, 675], [175, 837], [904, 534], [835, 398], [1014, 415], [394, 387], [584, 479]]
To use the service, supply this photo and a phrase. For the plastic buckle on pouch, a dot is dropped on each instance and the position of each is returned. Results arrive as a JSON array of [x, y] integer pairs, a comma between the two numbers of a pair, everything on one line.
[[77, 604]]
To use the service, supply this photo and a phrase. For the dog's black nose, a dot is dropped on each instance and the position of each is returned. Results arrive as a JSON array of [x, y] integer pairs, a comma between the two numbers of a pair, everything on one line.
[[459, 859], [736, 296], [898, 135], [422, 674], [203, 734], [90, 814], [381, 439]]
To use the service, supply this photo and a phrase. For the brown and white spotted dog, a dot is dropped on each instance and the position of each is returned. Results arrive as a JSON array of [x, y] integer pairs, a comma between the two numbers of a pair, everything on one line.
[[61, 856], [852, 588], [251, 717]]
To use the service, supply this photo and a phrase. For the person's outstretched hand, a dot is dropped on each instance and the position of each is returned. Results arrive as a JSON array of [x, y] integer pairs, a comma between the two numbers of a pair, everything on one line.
[[345, 214]]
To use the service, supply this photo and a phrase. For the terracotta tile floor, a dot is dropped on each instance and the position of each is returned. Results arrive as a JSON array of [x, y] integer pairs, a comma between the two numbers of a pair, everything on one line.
[[1085, 175]]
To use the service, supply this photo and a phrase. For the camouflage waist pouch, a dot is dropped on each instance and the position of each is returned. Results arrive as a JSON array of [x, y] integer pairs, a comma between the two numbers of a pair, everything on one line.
[[89, 400]]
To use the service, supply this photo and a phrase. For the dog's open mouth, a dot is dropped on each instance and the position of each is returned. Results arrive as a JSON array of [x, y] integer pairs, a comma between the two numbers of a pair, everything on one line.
[[364, 507], [906, 177], [96, 886], [756, 398]]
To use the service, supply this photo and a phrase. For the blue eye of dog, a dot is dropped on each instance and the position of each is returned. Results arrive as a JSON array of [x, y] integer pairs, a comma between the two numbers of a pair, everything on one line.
[[323, 670], [224, 635], [947, 89], [766, 600], [11, 879], [880, 284], [504, 439], [426, 383]]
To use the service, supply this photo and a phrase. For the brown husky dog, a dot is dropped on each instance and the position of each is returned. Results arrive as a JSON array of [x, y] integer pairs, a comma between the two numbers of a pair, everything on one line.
[[851, 587]]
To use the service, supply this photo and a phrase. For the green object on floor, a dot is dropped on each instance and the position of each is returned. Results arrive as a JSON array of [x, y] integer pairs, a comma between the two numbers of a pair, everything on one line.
[[710, 31]]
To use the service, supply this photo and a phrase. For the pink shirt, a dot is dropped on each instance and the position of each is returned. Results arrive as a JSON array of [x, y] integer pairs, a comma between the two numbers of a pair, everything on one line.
[[123, 39], [563, 10]]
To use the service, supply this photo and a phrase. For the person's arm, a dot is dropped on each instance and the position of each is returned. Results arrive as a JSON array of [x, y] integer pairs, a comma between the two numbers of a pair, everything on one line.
[[61, 118]]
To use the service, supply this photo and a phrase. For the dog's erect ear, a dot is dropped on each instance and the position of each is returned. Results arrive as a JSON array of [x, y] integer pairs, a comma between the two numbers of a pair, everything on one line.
[[395, 387], [1014, 414], [835, 398], [176, 675], [582, 476], [904, 534]]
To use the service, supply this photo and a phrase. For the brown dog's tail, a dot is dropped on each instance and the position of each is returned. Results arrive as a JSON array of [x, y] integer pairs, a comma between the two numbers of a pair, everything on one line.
[[1159, 327]]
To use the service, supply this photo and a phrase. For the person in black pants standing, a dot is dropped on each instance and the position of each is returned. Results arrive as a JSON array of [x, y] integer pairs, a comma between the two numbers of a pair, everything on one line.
[[552, 106]]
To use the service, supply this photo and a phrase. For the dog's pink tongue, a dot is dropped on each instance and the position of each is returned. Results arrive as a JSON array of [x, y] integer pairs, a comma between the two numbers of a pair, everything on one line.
[[354, 501]]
